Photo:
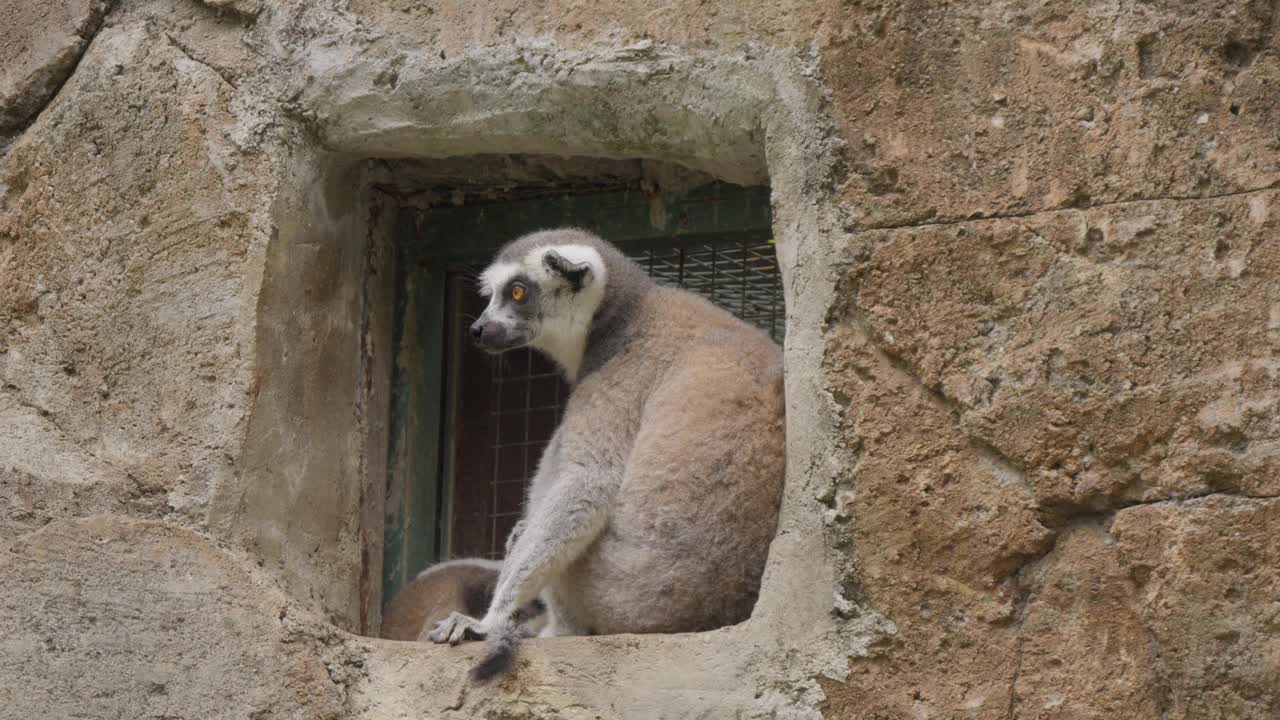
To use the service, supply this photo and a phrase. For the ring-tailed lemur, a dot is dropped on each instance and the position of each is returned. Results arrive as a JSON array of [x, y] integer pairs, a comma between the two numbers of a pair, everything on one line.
[[464, 585], [654, 503]]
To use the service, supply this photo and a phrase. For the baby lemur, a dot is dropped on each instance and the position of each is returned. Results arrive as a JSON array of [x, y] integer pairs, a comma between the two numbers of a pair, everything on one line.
[[654, 503]]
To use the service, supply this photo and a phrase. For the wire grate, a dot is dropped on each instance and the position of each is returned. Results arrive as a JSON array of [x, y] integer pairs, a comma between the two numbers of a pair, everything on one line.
[[741, 277]]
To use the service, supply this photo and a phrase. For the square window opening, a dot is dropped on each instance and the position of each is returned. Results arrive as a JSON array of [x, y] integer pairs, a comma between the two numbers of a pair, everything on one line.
[[466, 428]]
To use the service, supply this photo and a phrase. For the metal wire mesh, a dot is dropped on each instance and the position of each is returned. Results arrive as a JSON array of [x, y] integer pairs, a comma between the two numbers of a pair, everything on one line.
[[741, 277], [528, 398], [527, 395]]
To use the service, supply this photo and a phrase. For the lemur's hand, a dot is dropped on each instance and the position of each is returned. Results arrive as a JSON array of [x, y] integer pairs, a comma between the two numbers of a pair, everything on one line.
[[458, 627]]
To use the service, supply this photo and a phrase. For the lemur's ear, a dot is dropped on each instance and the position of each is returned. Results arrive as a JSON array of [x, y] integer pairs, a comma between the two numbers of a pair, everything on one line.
[[576, 274]]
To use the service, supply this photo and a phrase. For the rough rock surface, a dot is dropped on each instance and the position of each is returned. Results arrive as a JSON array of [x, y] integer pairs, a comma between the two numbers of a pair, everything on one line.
[[1204, 574], [962, 110], [1033, 284], [248, 8], [124, 233], [39, 46], [1019, 389], [1115, 355], [156, 622], [1014, 387]]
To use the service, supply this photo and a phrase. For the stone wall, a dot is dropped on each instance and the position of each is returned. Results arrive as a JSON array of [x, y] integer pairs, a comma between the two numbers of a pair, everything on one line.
[[1032, 271]]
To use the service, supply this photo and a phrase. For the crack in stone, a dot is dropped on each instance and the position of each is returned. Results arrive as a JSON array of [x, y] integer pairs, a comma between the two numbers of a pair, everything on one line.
[[186, 51], [1017, 670], [86, 33], [1022, 602], [1102, 520], [138, 490], [1107, 514], [1049, 517], [244, 11], [47, 416], [1050, 211], [1163, 693], [950, 405]]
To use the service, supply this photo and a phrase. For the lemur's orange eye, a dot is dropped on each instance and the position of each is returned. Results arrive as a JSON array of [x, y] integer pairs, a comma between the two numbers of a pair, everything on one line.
[[517, 293]]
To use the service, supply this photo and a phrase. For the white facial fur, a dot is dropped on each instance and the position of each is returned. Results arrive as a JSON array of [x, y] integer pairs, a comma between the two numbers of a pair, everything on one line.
[[495, 276], [565, 314]]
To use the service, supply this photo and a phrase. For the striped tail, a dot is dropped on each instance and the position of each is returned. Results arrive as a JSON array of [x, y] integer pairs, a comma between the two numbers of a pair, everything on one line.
[[501, 651]]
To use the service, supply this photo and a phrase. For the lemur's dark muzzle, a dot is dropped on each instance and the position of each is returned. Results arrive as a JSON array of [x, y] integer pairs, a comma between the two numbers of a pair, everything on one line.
[[494, 336]]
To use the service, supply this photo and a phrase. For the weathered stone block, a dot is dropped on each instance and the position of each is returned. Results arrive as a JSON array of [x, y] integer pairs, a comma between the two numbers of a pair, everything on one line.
[[40, 43], [1119, 354], [963, 110], [109, 617], [1084, 651], [126, 217], [1207, 580]]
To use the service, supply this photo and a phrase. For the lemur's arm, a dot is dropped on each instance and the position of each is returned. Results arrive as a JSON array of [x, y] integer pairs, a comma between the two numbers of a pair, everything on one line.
[[564, 521], [568, 519]]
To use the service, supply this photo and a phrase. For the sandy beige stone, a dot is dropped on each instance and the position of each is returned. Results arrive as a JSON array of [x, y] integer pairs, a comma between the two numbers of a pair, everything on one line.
[[723, 25], [1084, 651], [1206, 574], [1118, 354], [962, 110], [40, 44], [124, 230], [1006, 378], [119, 617], [940, 524]]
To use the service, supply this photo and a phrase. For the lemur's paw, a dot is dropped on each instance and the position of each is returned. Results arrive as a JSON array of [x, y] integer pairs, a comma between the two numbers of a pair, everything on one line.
[[458, 627]]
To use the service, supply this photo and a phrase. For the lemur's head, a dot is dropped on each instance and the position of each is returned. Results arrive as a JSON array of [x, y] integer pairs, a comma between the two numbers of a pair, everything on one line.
[[543, 290]]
